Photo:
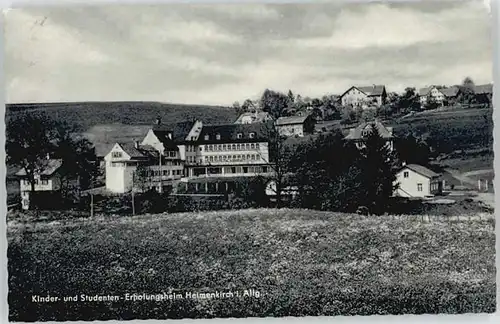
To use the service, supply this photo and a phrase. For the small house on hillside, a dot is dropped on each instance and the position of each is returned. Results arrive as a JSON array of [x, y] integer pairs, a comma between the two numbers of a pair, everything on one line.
[[48, 181], [296, 125], [359, 134], [253, 117], [440, 95], [418, 181], [364, 97]]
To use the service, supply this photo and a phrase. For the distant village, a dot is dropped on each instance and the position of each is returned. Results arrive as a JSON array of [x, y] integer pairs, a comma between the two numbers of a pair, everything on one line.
[[200, 158]]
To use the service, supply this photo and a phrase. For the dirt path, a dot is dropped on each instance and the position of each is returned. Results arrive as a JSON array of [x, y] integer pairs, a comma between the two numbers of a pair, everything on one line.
[[477, 172]]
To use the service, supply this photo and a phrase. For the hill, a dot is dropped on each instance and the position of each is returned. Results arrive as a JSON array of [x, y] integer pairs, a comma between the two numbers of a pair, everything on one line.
[[89, 114], [301, 262]]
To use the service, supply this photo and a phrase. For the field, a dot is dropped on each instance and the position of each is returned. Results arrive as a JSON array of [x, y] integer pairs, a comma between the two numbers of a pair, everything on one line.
[[451, 130], [301, 262]]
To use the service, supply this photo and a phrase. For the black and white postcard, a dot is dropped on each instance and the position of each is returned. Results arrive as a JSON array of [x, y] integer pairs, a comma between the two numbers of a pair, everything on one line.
[[194, 161]]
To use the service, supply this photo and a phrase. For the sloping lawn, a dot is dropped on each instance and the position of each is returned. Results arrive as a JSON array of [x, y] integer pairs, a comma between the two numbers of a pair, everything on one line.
[[301, 262]]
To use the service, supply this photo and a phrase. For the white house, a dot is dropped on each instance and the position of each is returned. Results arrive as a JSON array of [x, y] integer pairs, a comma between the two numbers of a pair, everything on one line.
[[253, 117], [359, 133], [47, 179], [364, 97], [439, 95], [418, 181]]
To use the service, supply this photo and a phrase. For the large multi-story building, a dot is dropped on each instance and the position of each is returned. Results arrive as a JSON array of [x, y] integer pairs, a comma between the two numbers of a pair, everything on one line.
[[186, 151]]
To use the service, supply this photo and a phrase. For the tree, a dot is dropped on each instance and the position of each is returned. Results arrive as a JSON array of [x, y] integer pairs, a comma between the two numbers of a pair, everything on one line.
[[378, 171], [77, 153], [237, 108], [468, 83], [412, 149], [275, 103], [33, 136], [28, 141], [431, 103], [291, 97], [467, 91], [248, 106], [280, 155], [325, 173], [409, 101], [347, 115], [142, 178]]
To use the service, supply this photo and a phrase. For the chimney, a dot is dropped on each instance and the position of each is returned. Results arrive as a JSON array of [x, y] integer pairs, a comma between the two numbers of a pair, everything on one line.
[[404, 163], [169, 135], [158, 121], [136, 144], [48, 156]]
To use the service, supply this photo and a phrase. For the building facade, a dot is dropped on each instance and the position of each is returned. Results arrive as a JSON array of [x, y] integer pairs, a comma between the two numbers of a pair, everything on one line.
[[431, 93], [48, 179], [295, 126], [170, 154], [418, 181], [364, 97]]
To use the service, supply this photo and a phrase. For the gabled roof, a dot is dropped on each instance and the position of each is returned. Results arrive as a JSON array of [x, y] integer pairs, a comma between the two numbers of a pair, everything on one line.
[[421, 170], [484, 89], [48, 167], [357, 133], [424, 91], [168, 143], [229, 133], [179, 130], [291, 120], [131, 150], [374, 90], [256, 117], [450, 92]]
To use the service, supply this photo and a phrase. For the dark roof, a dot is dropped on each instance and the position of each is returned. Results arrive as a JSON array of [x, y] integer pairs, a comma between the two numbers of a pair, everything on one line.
[[291, 120], [374, 90], [47, 168], [168, 143], [357, 133], [421, 170], [131, 150], [450, 92], [229, 133], [484, 89], [179, 130], [424, 91], [149, 151]]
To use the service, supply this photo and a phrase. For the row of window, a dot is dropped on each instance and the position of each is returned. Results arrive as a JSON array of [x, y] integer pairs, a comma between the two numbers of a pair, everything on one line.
[[156, 173], [27, 183], [166, 154], [228, 158], [239, 136], [232, 147], [164, 163]]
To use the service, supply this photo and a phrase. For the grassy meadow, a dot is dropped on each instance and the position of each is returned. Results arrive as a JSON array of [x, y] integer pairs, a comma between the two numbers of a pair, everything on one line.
[[302, 262]]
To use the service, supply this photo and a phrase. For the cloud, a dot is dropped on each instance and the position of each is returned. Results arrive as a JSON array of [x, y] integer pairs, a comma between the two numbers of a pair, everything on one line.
[[217, 54]]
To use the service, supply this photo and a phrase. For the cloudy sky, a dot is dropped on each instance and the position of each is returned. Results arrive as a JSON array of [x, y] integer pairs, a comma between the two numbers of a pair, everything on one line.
[[218, 54]]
